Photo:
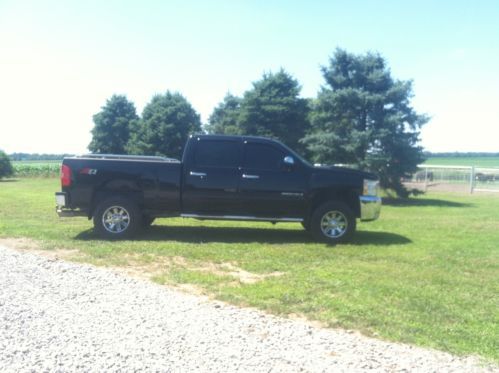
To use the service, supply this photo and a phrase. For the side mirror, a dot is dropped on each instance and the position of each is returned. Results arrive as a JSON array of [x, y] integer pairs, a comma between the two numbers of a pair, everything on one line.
[[289, 162]]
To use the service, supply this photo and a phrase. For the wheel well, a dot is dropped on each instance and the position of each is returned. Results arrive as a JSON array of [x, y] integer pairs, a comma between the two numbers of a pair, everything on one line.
[[347, 196], [100, 196]]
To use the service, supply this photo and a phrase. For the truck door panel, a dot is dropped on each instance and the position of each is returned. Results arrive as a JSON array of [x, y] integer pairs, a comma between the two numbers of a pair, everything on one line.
[[211, 178], [267, 187]]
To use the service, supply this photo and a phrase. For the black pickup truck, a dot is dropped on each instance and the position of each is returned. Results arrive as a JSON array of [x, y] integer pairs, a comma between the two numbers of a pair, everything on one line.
[[219, 177]]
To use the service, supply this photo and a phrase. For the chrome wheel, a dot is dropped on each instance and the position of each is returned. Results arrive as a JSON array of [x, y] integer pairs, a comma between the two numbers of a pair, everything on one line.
[[116, 219], [334, 224]]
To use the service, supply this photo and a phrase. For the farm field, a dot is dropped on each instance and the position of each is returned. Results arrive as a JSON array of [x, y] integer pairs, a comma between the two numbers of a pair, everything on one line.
[[36, 163], [426, 273], [36, 168], [464, 161]]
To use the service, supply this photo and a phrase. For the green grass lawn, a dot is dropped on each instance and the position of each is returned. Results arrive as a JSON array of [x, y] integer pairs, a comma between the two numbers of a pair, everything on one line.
[[426, 273], [464, 161]]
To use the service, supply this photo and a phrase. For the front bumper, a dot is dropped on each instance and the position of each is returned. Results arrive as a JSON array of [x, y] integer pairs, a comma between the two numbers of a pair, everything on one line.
[[370, 207]]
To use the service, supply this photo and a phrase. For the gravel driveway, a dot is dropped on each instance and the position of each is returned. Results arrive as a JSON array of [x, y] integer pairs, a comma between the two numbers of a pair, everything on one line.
[[61, 316]]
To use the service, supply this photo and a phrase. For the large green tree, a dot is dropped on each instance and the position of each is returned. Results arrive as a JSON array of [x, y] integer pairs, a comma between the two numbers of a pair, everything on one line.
[[5, 165], [225, 117], [112, 126], [166, 123], [363, 116], [274, 108]]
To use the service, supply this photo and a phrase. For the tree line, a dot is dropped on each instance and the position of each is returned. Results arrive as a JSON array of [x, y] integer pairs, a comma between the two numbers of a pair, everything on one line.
[[361, 116], [37, 156]]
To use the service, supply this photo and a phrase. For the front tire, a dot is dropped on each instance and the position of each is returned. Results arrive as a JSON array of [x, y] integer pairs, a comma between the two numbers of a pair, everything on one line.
[[333, 222], [117, 218]]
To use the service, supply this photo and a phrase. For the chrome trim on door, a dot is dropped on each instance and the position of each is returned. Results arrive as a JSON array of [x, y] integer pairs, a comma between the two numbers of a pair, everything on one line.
[[246, 176], [200, 174]]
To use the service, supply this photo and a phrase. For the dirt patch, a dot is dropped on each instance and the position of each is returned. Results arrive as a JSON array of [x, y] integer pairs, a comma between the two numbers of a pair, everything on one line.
[[143, 268], [26, 244], [303, 319], [230, 269], [20, 243]]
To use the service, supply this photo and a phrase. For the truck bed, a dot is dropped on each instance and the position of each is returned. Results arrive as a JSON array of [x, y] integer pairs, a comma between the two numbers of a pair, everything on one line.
[[153, 182]]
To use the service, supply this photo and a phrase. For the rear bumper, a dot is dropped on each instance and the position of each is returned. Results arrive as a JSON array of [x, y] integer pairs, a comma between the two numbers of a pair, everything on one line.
[[61, 199], [370, 208], [67, 213], [62, 209]]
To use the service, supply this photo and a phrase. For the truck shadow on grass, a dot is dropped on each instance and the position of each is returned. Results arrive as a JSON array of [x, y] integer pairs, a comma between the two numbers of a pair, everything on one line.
[[423, 202], [189, 234]]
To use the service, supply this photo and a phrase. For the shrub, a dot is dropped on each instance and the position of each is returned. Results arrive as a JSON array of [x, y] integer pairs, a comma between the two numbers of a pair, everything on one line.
[[5, 165]]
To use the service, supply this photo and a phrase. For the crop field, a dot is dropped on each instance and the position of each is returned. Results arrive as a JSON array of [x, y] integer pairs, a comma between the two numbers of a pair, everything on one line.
[[425, 273], [464, 161], [36, 168]]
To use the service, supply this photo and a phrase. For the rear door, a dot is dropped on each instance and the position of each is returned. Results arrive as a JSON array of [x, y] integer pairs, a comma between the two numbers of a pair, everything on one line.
[[268, 187], [211, 177]]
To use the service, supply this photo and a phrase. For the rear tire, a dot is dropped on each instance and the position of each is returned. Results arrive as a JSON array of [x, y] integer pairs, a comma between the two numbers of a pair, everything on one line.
[[147, 221], [333, 222], [117, 218]]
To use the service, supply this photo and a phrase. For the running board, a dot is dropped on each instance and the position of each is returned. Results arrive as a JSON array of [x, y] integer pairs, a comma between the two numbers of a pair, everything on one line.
[[237, 217]]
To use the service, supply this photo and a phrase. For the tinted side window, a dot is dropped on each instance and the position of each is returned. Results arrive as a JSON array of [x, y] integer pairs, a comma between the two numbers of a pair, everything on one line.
[[217, 153], [263, 156]]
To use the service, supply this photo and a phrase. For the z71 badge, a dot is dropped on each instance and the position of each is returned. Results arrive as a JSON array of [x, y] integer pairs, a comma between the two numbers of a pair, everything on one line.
[[88, 171]]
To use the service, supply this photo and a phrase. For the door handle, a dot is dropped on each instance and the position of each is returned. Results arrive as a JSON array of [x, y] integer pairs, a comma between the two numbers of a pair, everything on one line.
[[200, 174], [246, 176]]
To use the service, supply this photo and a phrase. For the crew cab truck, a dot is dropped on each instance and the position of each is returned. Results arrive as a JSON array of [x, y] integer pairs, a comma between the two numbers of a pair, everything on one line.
[[219, 177]]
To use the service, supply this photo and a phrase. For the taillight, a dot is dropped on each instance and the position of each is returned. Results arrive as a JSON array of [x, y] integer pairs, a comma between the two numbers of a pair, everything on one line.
[[65, 176]]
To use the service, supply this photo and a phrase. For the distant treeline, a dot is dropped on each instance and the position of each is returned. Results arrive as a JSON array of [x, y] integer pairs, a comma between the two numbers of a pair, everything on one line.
[[460, 154], [37, 157]]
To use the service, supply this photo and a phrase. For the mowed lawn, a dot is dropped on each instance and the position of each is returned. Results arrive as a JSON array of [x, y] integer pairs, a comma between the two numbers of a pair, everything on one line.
[[426, 273]]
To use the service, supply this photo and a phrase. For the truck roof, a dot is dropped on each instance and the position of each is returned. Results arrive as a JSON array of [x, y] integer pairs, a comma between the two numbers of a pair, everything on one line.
[[235, 137]]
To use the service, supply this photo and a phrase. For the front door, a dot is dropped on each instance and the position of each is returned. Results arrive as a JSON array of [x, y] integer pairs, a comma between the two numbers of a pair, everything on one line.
[[268, 187]]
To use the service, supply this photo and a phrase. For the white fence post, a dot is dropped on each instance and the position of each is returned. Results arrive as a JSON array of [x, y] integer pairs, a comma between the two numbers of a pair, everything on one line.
[[426, 179], [472, 179], [476, 179]]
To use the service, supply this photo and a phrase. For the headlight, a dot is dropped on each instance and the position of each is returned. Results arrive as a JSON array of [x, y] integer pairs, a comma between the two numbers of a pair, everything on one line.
[[371, 187]]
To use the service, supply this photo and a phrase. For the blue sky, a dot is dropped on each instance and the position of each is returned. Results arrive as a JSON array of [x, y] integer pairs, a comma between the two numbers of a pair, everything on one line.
[[61, 60]]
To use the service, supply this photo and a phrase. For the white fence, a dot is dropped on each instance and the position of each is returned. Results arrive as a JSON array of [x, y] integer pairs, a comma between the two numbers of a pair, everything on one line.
[[455, 178]]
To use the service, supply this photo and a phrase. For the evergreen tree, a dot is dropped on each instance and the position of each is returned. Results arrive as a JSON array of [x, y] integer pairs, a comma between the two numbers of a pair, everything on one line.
[[273, 108], [225, 117], [364, 117], [166, 123], [112, 126]]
